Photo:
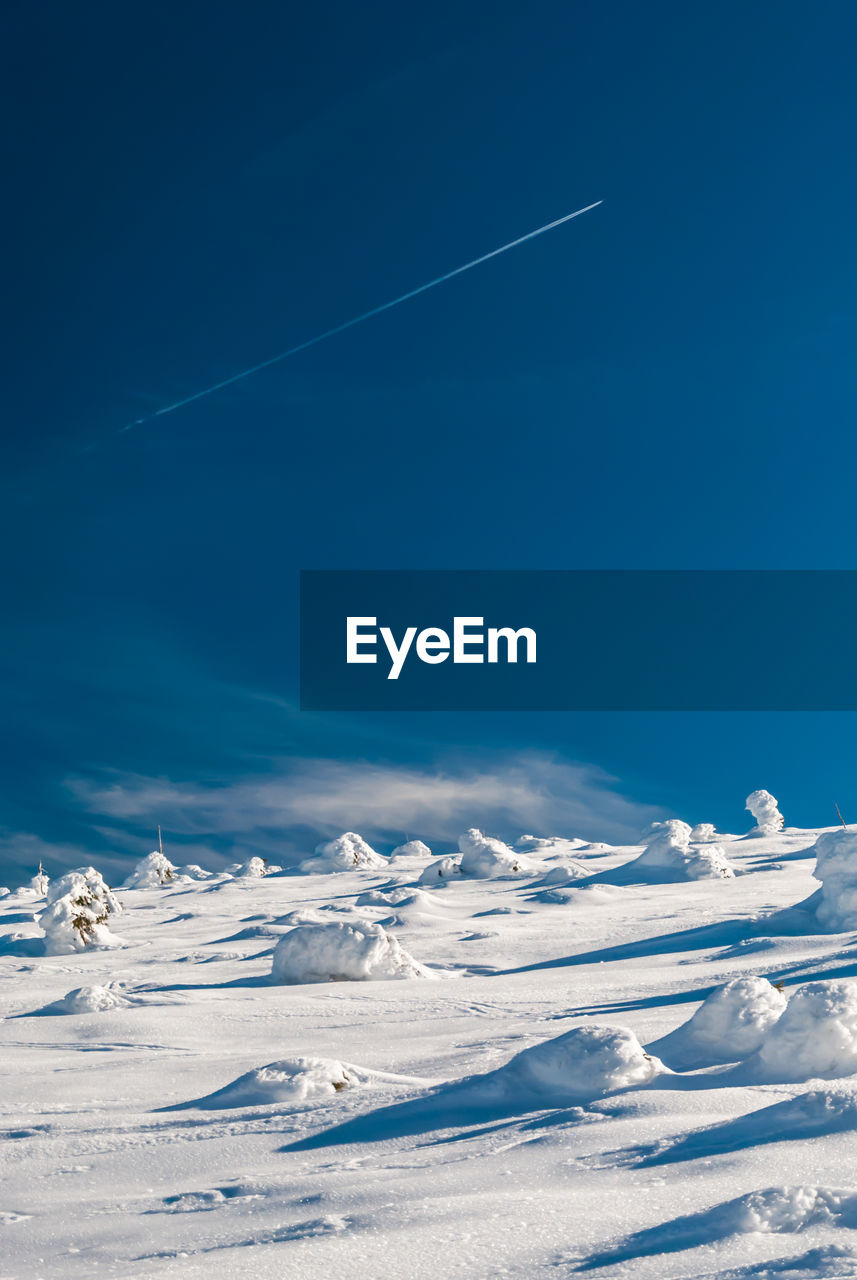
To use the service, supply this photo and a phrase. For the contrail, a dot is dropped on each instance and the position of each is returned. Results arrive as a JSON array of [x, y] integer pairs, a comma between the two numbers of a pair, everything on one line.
[[349, 324]]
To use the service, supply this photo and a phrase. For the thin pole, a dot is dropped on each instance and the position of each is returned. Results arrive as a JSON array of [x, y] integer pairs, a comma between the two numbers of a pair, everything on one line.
[[841, 819]]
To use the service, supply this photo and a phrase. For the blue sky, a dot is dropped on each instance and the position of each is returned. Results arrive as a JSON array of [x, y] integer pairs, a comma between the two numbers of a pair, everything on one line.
[[667, 382]]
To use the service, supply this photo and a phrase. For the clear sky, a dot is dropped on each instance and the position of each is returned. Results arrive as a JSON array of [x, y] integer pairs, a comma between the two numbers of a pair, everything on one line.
[[666, 382]]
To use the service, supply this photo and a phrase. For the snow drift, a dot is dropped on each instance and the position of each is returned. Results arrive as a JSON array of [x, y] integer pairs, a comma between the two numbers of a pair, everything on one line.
[[346, 853], [584, 1063], [297, 1082], [340, 952]]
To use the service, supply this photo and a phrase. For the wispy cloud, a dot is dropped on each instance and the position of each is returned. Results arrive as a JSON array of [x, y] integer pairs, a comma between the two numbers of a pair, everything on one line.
[[530, 793]]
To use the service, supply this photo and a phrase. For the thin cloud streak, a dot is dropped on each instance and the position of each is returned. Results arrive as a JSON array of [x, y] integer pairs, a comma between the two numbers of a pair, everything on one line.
[[355, 320]]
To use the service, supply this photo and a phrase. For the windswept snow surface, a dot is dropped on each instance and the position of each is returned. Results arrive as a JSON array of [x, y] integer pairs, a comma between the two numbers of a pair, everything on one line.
[[621, 1073]]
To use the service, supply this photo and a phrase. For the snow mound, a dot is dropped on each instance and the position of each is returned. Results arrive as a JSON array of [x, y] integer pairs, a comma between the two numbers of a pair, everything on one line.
[[440, 871], [92, 1000], [191, 871], [345, 853], [151, 872], [341, 952], [763, 806], [836, 868], [565, 873], [411, 849], [484, 857], [784, 1209], [297, 1081], [584, 1063], [79, 906], [816, 1035], [730, 1024], [669, 853]]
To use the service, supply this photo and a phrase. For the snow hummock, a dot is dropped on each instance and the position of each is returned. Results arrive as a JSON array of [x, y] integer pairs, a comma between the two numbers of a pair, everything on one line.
[[343, 854], [836, 868], [669, 852], [340, 952], [151, 872], [729, 1025], [440, 871], [411, 849], [95, 999], [578, 1066], [297, 1081], [79, 906], [816, 1035], [484, 857], [763, 806]]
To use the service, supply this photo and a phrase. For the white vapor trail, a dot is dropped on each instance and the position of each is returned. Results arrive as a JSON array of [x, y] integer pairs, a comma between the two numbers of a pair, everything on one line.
[[349, 324]]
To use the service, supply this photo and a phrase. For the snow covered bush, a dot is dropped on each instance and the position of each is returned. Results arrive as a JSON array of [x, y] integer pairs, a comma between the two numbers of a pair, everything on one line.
[[39, 884], [411, 849], [151, 872], [440, 871], [763, 806], [669, 852], [584, 1063], [79, 906], [836, 868], [484, 857], [254, 869], [346, 853], [734, 1020], [340, 952], [816, 1036], [704, 833]]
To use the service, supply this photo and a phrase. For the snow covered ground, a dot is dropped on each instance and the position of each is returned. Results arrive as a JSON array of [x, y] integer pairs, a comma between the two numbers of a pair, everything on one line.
[[521, 1081]]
